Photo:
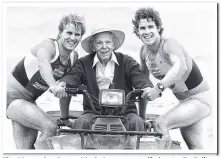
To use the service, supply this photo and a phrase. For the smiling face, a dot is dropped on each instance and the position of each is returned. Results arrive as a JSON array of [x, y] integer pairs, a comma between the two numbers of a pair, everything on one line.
[[70, 37], [148, 31], [103, 45]]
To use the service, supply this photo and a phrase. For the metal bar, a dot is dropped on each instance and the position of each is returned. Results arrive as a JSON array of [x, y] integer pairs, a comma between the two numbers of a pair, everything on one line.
[[85, 131], [108, 116]]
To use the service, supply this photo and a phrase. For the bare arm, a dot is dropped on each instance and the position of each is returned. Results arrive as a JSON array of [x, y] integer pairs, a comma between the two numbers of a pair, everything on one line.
[[177, 58], [44, 54]]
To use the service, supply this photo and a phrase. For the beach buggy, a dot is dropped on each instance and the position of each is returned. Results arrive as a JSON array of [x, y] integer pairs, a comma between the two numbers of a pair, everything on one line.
[[108, 131]]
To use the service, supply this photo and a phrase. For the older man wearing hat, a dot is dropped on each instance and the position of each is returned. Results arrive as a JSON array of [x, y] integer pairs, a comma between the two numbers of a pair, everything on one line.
[[102, 67]]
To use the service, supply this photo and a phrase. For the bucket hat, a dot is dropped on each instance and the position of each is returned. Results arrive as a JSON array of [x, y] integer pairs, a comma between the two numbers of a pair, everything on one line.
[[119, 39]]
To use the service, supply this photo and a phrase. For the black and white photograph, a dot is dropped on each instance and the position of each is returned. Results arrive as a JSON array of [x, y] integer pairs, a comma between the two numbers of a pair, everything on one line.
[[110, 77]]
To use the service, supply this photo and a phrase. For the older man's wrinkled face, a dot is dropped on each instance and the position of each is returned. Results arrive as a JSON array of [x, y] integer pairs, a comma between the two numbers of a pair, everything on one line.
[[103, 45]]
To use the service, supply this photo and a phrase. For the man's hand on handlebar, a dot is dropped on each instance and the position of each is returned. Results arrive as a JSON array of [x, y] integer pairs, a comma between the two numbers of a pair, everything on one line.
[[151, 93], [67, 123], [58, 89]]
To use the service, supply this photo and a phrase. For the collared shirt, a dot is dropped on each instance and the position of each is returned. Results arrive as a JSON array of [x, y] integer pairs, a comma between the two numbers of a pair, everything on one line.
[[105, 74]]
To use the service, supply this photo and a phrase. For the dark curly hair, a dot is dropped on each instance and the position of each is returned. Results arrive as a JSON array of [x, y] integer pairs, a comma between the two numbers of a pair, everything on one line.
[[145, 13], [75, 19]]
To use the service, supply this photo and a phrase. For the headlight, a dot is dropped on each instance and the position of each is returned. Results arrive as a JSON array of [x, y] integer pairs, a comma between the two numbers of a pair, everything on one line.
[[112, 97]]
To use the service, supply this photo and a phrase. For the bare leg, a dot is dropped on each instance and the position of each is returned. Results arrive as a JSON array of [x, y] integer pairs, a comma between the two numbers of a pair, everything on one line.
[[193, 135], [30, 116], [20, 132], [186, 114]]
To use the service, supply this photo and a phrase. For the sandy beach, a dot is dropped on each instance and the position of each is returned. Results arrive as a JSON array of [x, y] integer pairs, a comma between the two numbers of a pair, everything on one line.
[[161, 105], [40, 22]]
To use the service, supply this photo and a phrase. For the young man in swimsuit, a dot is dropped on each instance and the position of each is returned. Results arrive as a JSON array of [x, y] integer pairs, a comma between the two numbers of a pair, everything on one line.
[[38, 71], [168, 61]]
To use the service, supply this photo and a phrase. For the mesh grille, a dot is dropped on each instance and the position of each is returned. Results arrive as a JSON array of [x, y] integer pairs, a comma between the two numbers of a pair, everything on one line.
[[100, 127], [116, 127]]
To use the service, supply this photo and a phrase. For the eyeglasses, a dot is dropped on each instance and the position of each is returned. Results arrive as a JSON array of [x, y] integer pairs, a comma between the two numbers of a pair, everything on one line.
[[102, 43]]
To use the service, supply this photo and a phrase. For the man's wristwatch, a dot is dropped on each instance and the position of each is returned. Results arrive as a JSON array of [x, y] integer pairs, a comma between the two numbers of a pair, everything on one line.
[[160, 86]]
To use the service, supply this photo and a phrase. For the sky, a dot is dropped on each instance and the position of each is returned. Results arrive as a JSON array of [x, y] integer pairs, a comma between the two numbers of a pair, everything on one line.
[[192, 24]]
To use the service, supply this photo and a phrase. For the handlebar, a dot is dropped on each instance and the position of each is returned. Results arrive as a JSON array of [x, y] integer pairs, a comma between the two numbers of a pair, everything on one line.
[[86, 131], [133, 94], [76, 89], [82, 89]]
